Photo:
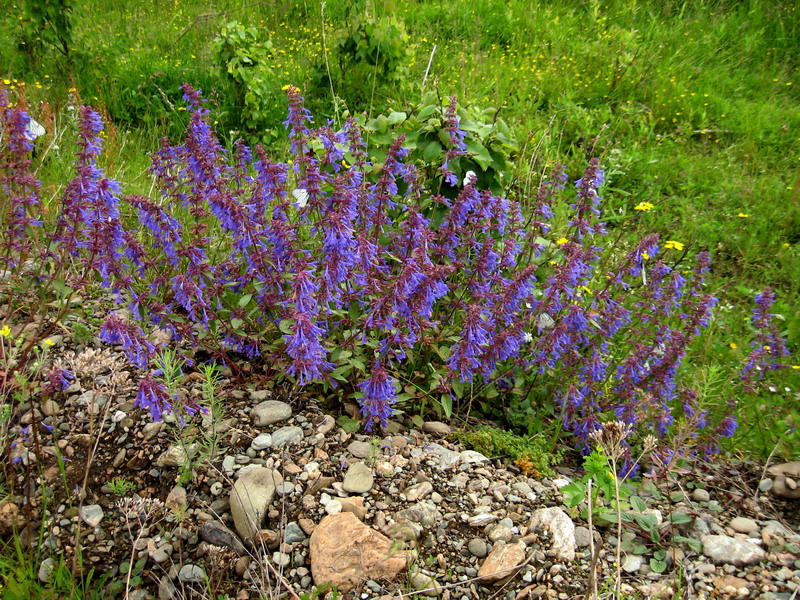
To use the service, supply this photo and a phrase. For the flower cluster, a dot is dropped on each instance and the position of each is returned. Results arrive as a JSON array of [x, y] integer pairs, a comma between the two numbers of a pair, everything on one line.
[[354, 275]]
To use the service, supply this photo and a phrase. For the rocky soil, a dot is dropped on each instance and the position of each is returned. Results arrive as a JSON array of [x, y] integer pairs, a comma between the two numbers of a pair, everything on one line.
[[279, 499]]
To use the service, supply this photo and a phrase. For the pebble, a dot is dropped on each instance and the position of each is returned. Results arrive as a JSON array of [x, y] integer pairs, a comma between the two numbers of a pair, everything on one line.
[[261, 442], [477, 547], [192, 574], [701, 495], [358, 479], [286, 435], [743, 525]]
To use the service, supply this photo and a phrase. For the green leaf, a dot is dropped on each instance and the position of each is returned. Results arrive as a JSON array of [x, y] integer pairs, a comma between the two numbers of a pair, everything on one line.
[[447, 405], [427, 111], [286, 326], [396, 117], [658, 566], [245, 300], [432, 152], [480, 154], [638, 504]]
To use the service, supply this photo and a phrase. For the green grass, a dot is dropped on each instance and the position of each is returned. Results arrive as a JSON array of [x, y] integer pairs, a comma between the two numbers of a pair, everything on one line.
[[691, 106]]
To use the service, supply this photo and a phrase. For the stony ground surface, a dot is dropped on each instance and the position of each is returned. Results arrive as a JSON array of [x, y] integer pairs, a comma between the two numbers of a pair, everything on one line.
[[279, 499]]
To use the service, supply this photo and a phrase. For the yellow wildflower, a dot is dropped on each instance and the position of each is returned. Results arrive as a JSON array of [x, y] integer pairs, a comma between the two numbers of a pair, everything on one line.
[[644, 206], [49, 342], [733, 345], [5, 331], [743, 215], [561, 241], [673, 245]]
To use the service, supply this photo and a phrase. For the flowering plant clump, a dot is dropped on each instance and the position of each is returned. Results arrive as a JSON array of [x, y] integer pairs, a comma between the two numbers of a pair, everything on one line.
[[331, 271]]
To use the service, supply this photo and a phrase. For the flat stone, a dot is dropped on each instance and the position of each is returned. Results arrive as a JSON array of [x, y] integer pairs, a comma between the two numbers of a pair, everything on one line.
[[250, 498], [359, 449], [423, 513], [743, 525], [425, 585], [192, 574], [217, 534], [436, 428], [270, 412], [725, 550], [418, 491], [345, 553], [501, 562], [286, 435], [91, 514], [46, 568], [261, 442], [177, 500], [358, 479]]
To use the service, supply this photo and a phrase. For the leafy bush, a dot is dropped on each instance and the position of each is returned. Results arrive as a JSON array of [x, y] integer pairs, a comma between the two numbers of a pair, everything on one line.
[[489, 143], [327, 268], [370, 56], [244, 61]]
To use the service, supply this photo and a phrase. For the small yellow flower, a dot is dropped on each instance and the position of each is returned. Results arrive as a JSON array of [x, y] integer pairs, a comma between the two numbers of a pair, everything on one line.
[[673, 245], [5, 331], [6, 82], [49, 342], [733, 345], [645, 256], [344, 164], [796, 367], [561, 241], [786, 244], [644, 206], [742, 215]]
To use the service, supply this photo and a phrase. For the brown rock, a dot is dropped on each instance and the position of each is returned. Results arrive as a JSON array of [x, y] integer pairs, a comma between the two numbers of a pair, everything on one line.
[[10, 518], [355, 506], [344, 553], [501, 562], [786, 477]]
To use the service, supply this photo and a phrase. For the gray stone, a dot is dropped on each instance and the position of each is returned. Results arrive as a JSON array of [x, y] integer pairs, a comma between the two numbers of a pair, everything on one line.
[[725, 550], [477, 547], [425, 585], [294, 533], [359, 449], [250, 498], [217, 534], [260, 395], [284, 489], [326, 424], [192, 574], [701, 495], [261, 442], [358, 479], [270, 412], [91, 514], [501, 533], [632, 563], [286, 435], [583, 537], [562, 530], [470, 456], [423, 513], [743, 525], [46, 569]]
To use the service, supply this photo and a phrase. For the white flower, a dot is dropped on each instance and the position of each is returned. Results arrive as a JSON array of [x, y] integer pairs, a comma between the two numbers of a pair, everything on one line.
[[301, 196], [470, 177], [527, 337]]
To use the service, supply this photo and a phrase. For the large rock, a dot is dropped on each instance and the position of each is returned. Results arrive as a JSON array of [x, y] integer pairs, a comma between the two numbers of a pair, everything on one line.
[[725, 550], [501, 562], [562, 530], [269, 412], [250, 498], [787, 480], [345, 553]]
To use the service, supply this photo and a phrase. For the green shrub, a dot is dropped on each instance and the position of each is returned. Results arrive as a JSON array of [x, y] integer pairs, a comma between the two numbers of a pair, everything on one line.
[[528, 453]]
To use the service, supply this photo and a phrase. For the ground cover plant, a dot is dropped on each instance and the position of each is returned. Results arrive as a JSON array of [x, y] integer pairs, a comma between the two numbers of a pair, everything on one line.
[[554, 218]]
